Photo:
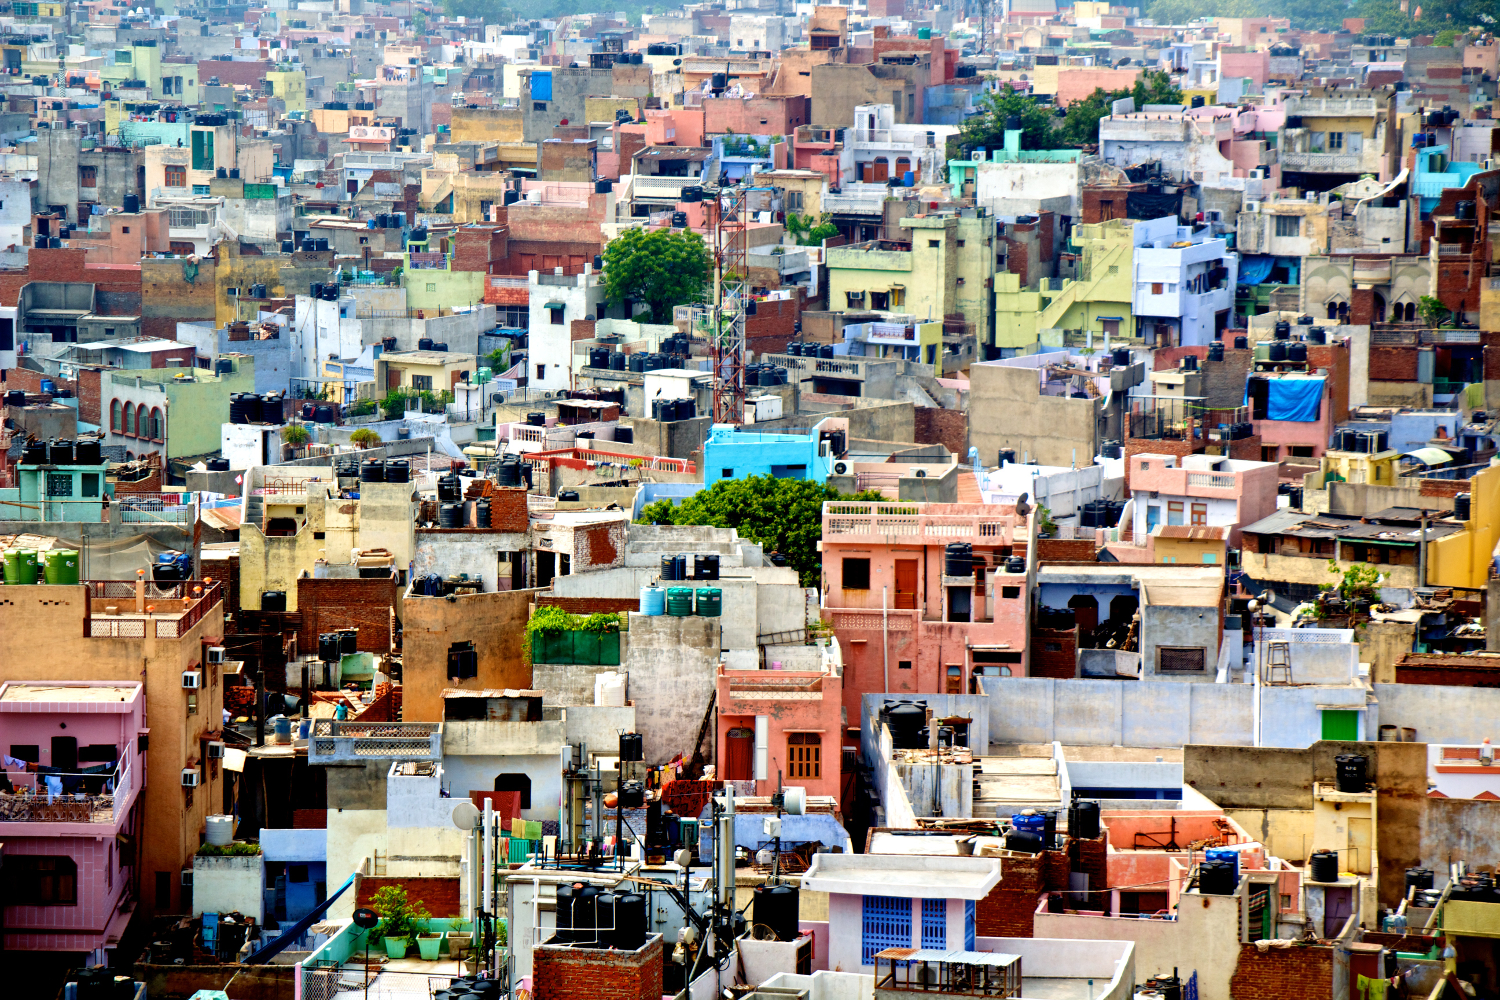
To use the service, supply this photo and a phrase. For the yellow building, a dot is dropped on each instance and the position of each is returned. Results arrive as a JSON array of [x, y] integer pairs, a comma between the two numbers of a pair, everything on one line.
[[1198, 545], [1376, 468], [291, 86], [1463, 559], [420, 371]]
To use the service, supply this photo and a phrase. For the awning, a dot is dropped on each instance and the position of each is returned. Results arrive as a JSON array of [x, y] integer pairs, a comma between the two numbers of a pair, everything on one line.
[[555, 305], [1430, 456]]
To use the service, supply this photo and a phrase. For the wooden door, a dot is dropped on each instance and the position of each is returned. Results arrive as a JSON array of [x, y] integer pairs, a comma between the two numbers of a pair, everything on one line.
[[906, 583], [739, 754]]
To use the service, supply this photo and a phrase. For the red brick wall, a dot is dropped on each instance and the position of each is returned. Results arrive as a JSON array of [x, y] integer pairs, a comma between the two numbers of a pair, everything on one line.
[[1301, 973], [474, 247], [1065, 550], [1090, 857], [1444, 487], [87, 390], [1061, 662], [1152, 446], [1246, 448], [561, 973], [1010, 908], [508, 509], [226, 572], [439, 893], [30, 381], [774, 323], [949, 428], [326, 605]]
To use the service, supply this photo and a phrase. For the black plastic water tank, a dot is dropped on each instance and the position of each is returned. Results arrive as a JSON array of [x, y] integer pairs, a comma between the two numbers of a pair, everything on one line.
[[669, 568], [218, 465], [60, 451], [397, 470], [776, 909], [1461, 506], [1217, 878], [87, 451], [706, 566], [1317, 335], [1015, 564], [1296, 351], [907, 719], [564, 914], [1277, 350], [451, 515], [1350, 773], [1216, 351], [1324, 866], [1418, 878], [328, 647], [630, 919], [372, 471], [958, 559], [632, 747], [536, 419], [585, 912], [449, 489], [1083, 819], [509, 473], [1120, 357], [273, 600], [1283, 330], [1024, 842], [1241, 343]]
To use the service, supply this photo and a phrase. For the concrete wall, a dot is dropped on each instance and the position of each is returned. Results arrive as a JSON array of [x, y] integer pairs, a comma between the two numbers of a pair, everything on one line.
[[224, 884], [1007, 410], [672, 663], [1179, 627], [494, 622], [1113, 713]]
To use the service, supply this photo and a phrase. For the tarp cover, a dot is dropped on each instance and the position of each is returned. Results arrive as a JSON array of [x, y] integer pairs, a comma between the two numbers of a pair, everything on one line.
[[1255, 268], [1296, 399]]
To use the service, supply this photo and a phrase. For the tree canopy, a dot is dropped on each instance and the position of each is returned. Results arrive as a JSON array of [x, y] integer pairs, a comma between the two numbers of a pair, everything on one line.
[[987, 129], [808, 231], [782, 515], [659, 267]]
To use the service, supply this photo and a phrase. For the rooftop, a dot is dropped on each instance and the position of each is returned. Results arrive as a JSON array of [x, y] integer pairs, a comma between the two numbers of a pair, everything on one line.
[[82, 691], [896, 875]]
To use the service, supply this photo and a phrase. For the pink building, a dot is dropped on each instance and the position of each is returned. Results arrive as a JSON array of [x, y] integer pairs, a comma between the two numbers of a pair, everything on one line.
[[904, 623], [1199, 490], [795, 715], [70, 825], [1256, 65]]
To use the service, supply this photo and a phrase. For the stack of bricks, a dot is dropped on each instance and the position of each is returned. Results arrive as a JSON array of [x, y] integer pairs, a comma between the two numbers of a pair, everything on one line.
[[508, 511], [1054, 652], [563, 973], [1301, 973]]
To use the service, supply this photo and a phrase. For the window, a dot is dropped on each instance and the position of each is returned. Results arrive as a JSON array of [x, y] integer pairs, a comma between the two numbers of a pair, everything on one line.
[[726, 473], [200, 189], [541, 372], [557, 316], [364, 241], [1200, 514], [933, 244], [1174, 511], [538, 105], [880, 300], [114, 416], [176, 176], [90, 484], [163, 892], [1010, 593], [1288, 225], [422, 383], [886, 924], [1179, 659], [463, 661], [856, 574], [1156, 288], [903, 664], [1300, 451], [154, 426], [1210, 557], [41, 880], [794, 201], [856, 299], [960, 242], [88, 177], [804, 755], [59, 484], [1335, 141], [432, 286], [935, 924], [125, 230]]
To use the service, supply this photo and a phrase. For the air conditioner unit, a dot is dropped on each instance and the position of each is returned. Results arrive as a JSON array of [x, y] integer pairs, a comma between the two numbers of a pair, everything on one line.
[[192, 679], [977, 156], [1252, 206], [215, 654], [190, 777], [840, 468], [216, 750], [1259, 173]]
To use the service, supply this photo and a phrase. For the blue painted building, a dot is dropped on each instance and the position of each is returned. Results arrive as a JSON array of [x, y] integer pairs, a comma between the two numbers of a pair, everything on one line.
[[1436, 173], [732, 453]]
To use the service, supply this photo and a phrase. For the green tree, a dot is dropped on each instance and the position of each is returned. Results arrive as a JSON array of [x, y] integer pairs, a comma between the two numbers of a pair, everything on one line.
[[488, 11], [419, 24], [1446, 38], [810, 232], [294, 435], [659, 267], [1081, 126], [782, 515], [987, 129], [1155, 87], [364, 438], [1432, 310]]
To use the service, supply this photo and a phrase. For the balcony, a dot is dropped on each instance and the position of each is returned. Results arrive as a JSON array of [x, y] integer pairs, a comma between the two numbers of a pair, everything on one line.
[[350, 742], [1372, 272], [856, 199], [877, 522], [664, 189], [100, 798], [844, 368], [117, 610], [1326, 163], [1331, 106], [794, 262]]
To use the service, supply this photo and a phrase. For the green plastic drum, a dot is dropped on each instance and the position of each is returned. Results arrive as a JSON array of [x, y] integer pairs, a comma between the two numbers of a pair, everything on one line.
[[26, 567], [680, 601], [62, 566], [710, 602]]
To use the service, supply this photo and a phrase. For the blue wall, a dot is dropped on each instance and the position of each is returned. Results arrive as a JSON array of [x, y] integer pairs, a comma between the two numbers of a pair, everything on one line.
[[728, 454]]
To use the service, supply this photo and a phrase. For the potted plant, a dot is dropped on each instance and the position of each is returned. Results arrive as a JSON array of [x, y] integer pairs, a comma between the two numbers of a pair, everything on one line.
[[398, 918], [294, 436], [364, 438], [429, 943], [456, 939]]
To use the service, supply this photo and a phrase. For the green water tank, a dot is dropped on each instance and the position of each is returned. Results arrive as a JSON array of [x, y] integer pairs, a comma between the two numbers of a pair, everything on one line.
[[62, 566], [924, 33], [679, 601], [26, 567], [12, 565], [710, 602]]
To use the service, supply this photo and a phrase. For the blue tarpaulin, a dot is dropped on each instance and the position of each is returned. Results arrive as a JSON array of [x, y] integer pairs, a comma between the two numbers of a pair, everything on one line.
[[541, 85], [1254, 268], [1297, 399]]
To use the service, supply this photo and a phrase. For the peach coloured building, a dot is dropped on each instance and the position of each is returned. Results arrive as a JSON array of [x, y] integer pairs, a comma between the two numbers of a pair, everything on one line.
[[907, 626], [1199, 491], [793, 710]]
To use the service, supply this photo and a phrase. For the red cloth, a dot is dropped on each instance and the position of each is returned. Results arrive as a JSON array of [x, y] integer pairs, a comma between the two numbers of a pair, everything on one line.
[[506, 804]]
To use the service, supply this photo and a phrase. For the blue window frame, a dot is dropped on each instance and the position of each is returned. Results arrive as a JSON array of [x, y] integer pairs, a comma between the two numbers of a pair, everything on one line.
[[935, 923], [886, 924]]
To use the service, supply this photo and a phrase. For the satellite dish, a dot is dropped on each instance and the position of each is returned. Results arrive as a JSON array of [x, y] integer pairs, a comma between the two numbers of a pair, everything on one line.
[[794, 800], [366, 917], [466, 816]]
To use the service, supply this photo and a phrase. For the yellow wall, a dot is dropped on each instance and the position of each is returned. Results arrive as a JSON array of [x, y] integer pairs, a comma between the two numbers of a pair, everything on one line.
[[1463, 560], [486, 125], [1189, 550]]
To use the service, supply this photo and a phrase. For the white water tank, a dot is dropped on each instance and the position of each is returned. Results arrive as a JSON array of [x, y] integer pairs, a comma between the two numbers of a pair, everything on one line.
[[609, 690], [220, 830]]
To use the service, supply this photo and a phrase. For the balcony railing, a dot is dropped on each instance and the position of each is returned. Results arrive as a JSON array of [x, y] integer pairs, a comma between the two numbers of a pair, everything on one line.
[[662, 187], [1336, 163], [886, 520], [193, 600], [92, 795], [343, 742], [1211, 480]]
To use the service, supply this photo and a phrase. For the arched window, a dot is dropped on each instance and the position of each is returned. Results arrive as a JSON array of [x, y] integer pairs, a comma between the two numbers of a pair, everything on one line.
[[142, 427], [1411, 312], [114, 415], [156, 424], [128, 427], [129, 456]]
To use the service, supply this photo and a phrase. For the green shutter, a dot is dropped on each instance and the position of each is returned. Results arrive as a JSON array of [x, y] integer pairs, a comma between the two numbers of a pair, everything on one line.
[[1340, 724]]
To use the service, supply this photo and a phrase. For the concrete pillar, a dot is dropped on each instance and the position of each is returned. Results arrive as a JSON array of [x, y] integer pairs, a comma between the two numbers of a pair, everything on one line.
[[1492, 617]]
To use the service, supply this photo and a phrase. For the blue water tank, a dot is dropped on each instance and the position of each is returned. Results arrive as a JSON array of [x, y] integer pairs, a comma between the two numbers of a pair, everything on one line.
[[653, 601], [1035, 823]]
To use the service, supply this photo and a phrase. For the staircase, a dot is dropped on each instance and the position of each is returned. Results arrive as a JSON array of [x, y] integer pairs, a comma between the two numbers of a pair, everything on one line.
[[1006, 785]]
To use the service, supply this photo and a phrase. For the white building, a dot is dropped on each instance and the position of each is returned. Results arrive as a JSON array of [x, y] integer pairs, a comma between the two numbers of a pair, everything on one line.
[[557, 300], [884, 150], [1184, 284], [322, 330]]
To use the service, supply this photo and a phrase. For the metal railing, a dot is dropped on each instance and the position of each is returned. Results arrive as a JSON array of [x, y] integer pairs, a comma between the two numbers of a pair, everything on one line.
[[87, 796], [352, 740], [204, 595]]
